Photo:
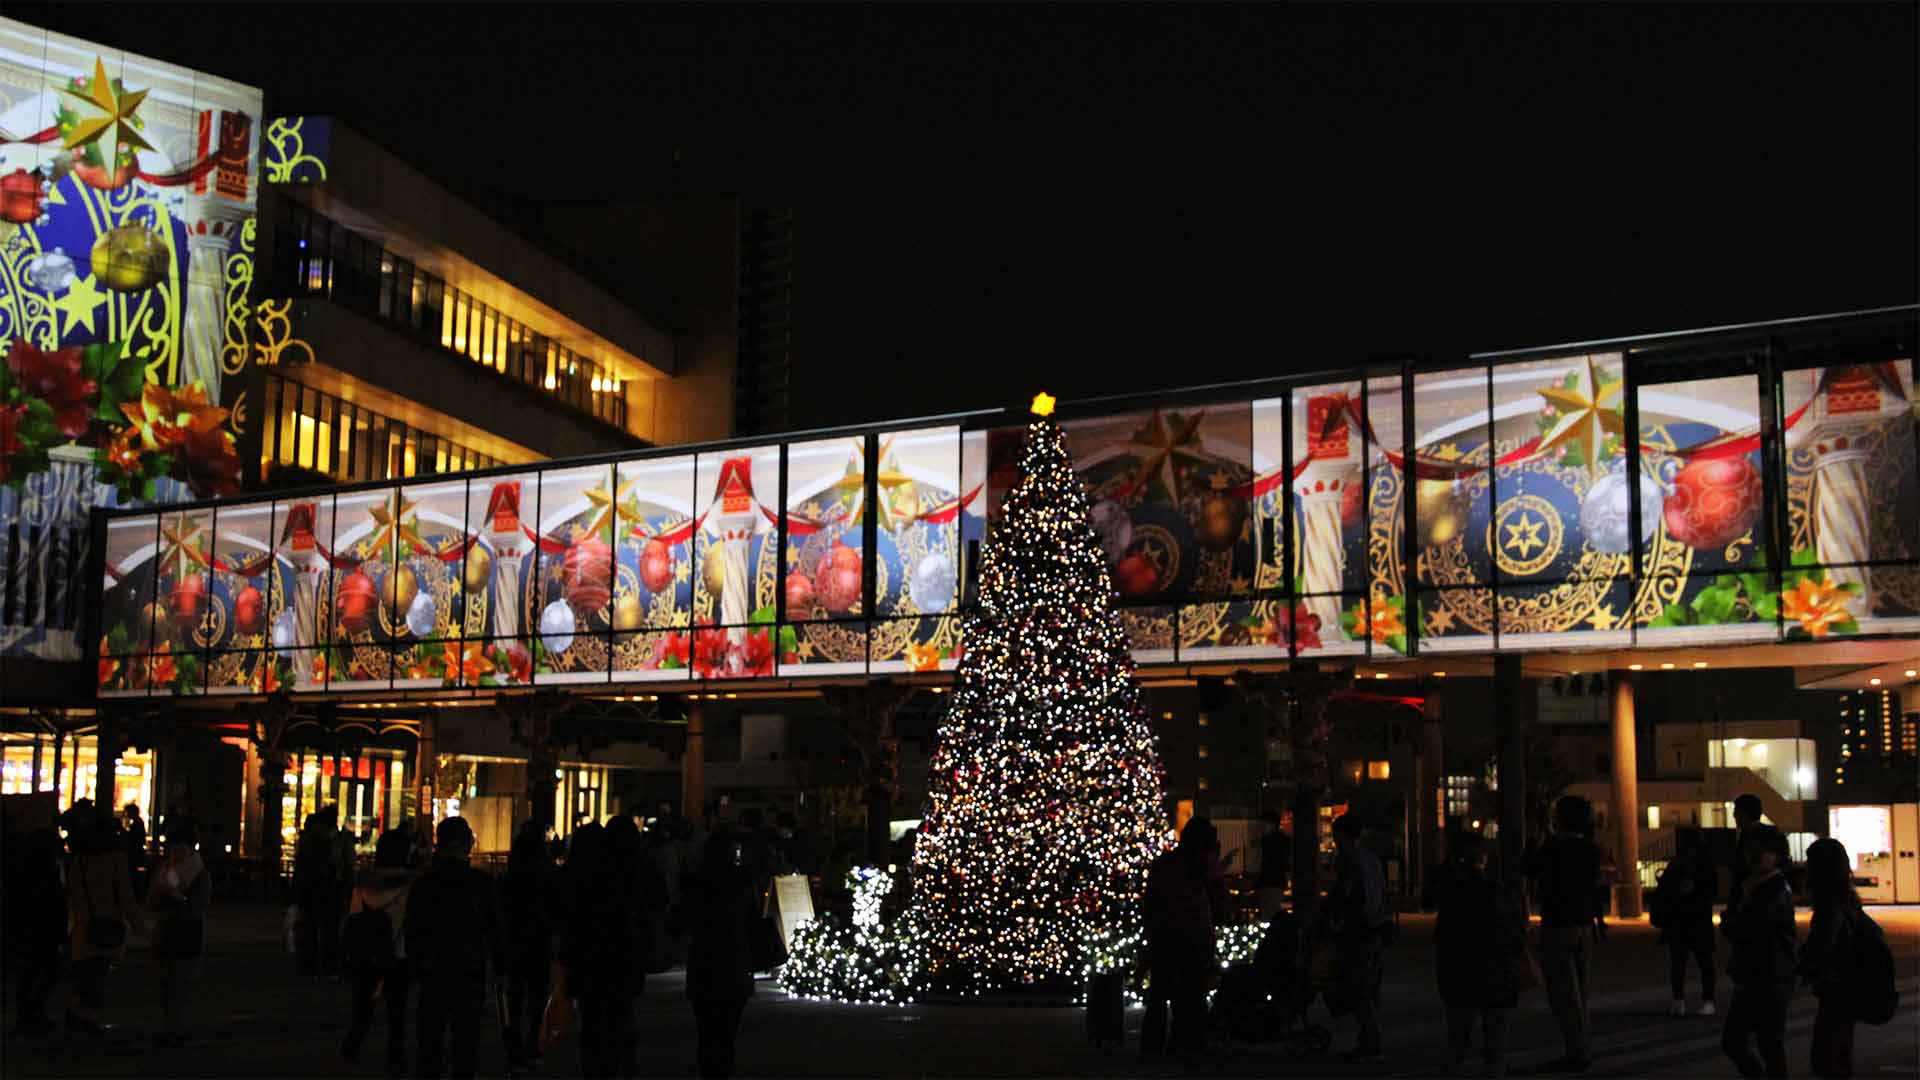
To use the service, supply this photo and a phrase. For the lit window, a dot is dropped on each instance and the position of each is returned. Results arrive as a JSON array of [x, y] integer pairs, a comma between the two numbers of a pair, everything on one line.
[[1653, 817], [1378, 770]]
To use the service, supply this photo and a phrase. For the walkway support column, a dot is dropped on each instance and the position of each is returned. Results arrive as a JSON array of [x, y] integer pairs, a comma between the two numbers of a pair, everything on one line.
[[533, 722], [1431, 790], [1510, 733], [867, 712], [693, 765], [1626, 796]]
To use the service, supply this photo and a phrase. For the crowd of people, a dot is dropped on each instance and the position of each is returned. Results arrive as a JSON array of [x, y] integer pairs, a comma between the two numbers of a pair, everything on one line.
[[1484, 959], [561, 943], [568, 934]]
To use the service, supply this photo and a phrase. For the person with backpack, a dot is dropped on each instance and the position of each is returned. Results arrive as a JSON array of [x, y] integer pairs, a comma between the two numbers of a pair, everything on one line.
[[1565, 867], [1682, 910], [1845, 960], [374, 944], [177, 893], [527, 898], [453, 937], [718, 908], [318, 888], [1480, 939], [1762, 963], [100, 910]]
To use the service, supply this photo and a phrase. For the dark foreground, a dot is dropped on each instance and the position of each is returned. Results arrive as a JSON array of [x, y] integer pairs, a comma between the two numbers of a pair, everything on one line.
[[255, 1017]]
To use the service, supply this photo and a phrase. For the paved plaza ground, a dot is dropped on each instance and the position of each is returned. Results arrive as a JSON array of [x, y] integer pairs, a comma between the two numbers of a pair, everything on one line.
[[255, 1017]]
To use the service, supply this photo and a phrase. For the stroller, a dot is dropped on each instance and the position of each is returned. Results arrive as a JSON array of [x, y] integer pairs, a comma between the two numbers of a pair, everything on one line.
[[1266, 1001]]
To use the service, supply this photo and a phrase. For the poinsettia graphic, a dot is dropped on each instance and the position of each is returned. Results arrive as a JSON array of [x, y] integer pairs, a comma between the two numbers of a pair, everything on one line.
[[756, 652], [11, 419], [709, 652], [1299, 627], [56, 378], [672, 650]]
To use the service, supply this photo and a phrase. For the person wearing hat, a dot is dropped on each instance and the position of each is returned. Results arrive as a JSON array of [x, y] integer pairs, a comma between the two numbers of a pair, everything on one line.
[[453, 936]]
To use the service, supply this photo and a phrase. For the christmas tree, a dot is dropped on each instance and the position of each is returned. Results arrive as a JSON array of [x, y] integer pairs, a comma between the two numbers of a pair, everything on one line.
[[1046, 787]]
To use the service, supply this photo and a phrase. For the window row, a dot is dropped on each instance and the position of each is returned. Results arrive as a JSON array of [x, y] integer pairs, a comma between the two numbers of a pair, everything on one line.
[[309, 429], [318, 257]]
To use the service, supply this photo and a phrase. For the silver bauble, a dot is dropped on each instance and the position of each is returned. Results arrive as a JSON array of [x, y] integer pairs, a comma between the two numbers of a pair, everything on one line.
[[1113, 527], [556, 627], [420, 615], [283, 635], [1606, 517], [50, 271], [931, 585]]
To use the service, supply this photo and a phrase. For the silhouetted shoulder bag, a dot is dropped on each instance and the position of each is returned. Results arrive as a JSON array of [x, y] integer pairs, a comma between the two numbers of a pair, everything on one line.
[[103, 931]]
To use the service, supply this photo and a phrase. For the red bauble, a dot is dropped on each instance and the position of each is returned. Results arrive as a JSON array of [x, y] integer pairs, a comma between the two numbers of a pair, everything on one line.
[[587, 574], [1135, 576], [249, 610], [188, 599], [799, 595], [1353, 503], [836, 580], [656, 565], [20, 197], [356, 602], [1714, 502]]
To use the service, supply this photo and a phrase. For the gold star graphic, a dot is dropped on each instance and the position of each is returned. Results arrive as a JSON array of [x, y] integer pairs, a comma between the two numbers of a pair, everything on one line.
[[1439, 620], [78, 303], [1043, 403], [1602, 617], [1588, 412], [395, 527], [111, 123], [851, 488], [1524, 535], [1164, 447], [183, 546], [612, 504]]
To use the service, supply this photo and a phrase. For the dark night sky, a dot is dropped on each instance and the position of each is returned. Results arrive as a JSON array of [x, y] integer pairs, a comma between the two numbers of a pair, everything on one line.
[[1097, 200]]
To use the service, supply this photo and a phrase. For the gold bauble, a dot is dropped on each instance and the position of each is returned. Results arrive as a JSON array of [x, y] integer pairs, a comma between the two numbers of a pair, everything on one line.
[[401, 588], [626, 612], [1442, 509], [131, 258], [713, 569], [479, 568], [158, 621]]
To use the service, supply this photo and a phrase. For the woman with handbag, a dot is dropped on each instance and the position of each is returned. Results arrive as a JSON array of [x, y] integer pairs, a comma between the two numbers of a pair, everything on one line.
[[719, 907], [100, 911], [177, 892], [1480, 940]]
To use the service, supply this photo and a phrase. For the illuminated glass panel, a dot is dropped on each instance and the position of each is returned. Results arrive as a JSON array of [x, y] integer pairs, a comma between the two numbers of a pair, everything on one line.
[[1852, 500]]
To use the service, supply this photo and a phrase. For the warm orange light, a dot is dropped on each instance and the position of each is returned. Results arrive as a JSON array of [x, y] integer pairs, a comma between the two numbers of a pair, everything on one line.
[[1666, 667], [1699, 663], [1873, 682], [1910, 673], [1634, 667], [1439, 674]]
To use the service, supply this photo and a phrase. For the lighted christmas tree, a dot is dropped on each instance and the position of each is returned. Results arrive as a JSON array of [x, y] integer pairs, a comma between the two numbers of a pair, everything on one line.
[[1046, 787]]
